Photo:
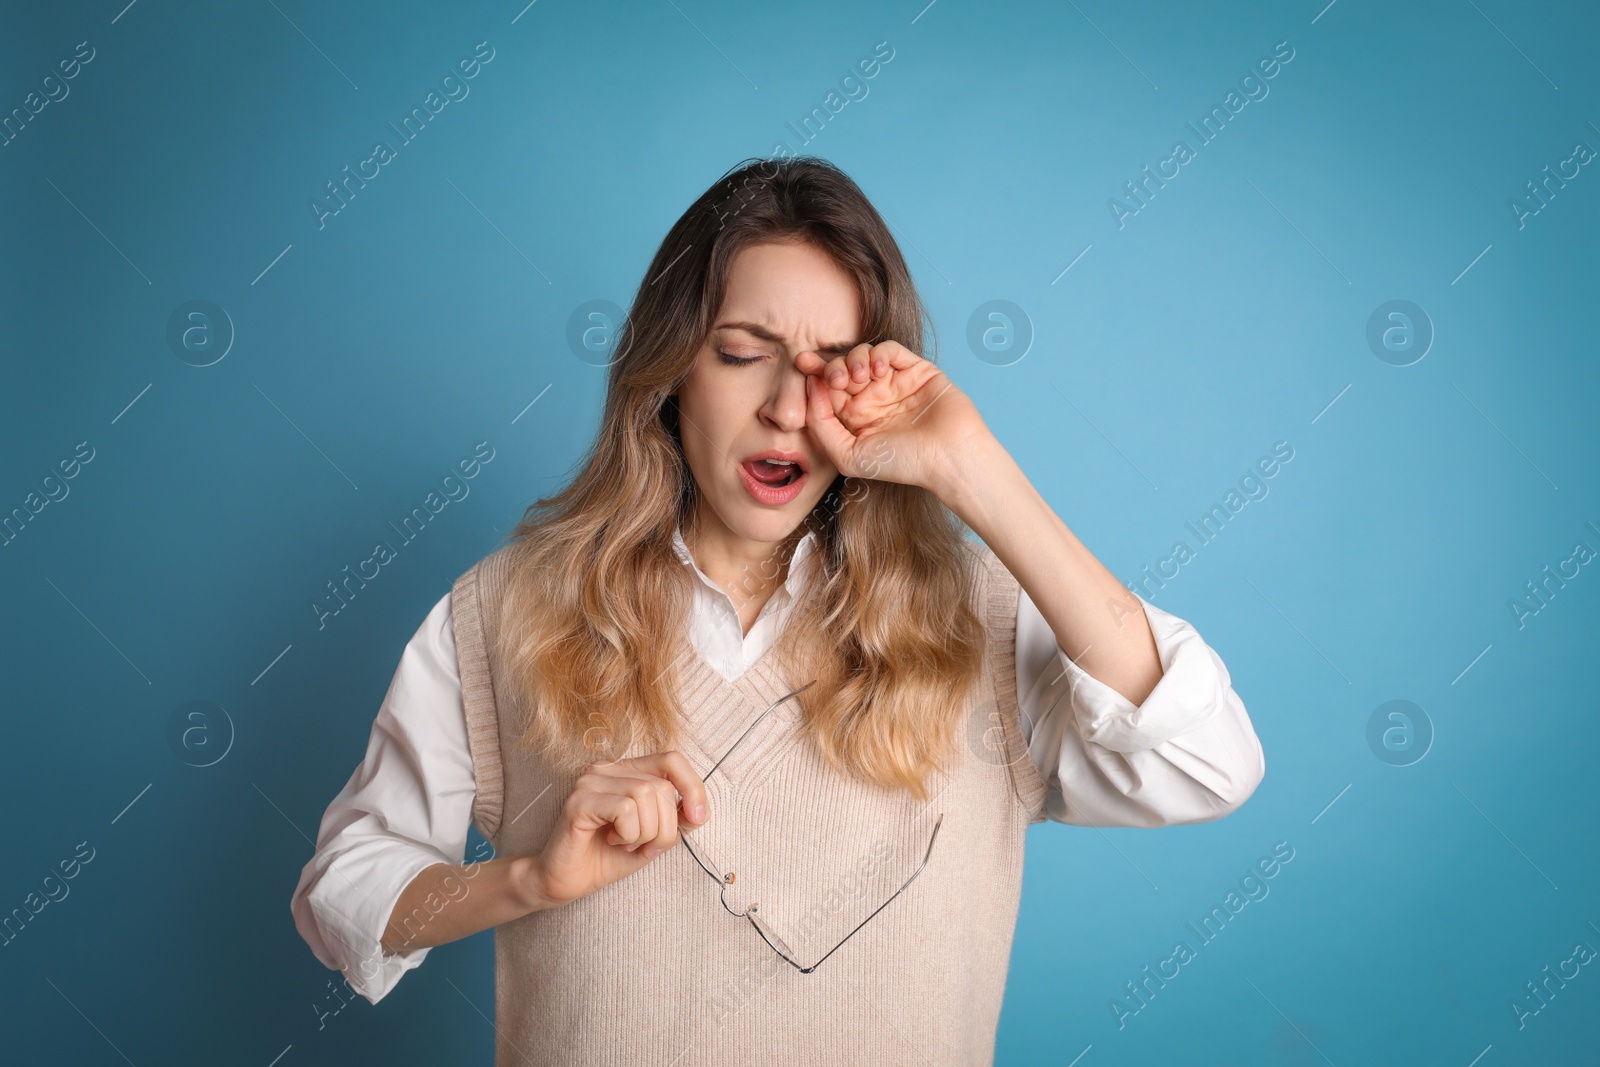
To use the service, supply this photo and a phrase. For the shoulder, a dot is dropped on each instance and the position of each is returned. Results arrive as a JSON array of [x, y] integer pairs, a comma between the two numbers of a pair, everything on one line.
[[489, 566], [475, 601], [480, 583]]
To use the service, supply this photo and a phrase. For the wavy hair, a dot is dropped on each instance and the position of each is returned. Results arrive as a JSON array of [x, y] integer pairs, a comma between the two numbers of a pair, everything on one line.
[[592, 630]]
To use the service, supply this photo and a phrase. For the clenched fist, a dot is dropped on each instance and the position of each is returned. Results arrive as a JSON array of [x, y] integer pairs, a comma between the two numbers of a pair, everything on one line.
[[620, 815]]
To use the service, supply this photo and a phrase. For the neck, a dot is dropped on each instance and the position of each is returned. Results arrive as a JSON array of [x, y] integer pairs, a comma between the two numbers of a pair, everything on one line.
[[748, 571]]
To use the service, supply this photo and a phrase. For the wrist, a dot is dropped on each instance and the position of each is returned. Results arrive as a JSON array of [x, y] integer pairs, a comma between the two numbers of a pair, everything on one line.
[[967, 474], [527, 880]]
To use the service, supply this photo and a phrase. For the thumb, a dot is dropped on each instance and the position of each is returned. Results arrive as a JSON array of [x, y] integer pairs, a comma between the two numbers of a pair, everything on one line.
[[835, 439]]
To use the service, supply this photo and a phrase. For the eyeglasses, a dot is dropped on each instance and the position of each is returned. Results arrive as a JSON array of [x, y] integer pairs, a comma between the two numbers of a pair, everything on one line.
[[777, 943]]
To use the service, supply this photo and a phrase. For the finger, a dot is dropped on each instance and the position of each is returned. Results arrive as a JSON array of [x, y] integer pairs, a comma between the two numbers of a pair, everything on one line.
[[856, 360], [666, 820], [824, 424], [647, 799], [854, 380], [808, 362], [596, 798], [674, 766], [896, 355], [837, 372], [613, 779], [596, 809]]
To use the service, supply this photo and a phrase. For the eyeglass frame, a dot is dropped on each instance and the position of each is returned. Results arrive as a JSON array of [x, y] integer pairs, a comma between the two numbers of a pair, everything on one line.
[[724, 881]]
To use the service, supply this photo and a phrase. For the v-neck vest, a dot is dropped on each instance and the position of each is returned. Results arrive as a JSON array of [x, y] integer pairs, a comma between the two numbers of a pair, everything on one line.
[[654, 970]]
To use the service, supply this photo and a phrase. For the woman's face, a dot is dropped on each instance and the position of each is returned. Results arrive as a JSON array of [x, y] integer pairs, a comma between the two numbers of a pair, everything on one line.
[[782, 299]]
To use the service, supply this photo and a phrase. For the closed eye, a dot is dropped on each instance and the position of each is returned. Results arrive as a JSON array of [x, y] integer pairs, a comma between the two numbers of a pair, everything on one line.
[[737, 361]]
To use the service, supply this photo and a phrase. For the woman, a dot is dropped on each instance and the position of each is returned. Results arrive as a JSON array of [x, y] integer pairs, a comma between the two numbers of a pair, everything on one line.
[[752, 626]]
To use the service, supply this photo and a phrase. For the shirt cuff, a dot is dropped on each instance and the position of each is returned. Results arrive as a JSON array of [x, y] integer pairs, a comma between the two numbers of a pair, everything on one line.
[[1190, 693], [352, 902]]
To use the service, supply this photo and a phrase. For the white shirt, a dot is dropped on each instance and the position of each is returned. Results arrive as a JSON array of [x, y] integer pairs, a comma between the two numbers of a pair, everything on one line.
[[1188, 754]]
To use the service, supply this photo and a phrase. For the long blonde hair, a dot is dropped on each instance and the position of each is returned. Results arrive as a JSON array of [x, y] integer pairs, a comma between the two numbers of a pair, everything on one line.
[[593, 621]]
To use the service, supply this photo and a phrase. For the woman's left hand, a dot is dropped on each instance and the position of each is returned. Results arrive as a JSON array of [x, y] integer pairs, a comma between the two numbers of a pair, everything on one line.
[[893, 416]]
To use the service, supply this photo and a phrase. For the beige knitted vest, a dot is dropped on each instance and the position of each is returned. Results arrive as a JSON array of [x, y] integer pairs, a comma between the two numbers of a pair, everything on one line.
[[654, 970]]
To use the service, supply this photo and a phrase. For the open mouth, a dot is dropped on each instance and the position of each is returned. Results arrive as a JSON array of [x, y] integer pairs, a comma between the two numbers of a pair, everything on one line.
[[773, 472], [773, 478]]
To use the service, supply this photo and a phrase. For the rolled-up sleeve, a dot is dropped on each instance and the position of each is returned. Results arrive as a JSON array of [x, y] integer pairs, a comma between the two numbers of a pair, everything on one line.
[[406, 807], [1187, 754]]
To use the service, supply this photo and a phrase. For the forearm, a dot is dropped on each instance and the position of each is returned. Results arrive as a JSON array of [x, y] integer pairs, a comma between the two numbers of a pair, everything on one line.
[[1096, 620], [448, 901]]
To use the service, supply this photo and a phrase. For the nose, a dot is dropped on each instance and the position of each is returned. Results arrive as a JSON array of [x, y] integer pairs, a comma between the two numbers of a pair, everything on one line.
[[785, 408]]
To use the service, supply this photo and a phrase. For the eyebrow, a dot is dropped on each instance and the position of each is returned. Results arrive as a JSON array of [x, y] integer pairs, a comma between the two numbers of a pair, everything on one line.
[[837, 348]]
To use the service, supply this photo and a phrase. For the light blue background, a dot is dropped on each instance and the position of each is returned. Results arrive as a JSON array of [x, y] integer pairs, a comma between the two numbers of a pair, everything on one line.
[[1230, 313]]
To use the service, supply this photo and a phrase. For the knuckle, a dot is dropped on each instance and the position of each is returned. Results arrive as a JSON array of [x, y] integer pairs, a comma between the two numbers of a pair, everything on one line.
[[643, 806]]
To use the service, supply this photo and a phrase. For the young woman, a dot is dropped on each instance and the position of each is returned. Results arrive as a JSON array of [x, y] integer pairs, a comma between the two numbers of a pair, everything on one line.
[[754, 730]]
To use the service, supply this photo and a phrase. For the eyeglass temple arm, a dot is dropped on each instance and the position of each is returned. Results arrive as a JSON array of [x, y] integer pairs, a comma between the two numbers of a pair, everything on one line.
[[712, 874], [880, 907], [753, 725]]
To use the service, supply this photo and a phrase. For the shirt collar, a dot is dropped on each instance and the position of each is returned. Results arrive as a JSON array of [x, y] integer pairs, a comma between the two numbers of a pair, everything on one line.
[[797, 567]]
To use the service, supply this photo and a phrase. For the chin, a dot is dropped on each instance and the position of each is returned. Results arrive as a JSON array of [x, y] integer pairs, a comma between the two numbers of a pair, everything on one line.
[[769, 524], [773, 526]]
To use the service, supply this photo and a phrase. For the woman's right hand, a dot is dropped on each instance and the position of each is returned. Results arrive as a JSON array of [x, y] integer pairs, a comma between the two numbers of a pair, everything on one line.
[[620, 815]]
